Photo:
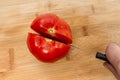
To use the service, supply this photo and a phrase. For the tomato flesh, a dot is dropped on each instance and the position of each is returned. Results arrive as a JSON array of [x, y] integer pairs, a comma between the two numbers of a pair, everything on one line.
[[52, 26], [46, 50], [51, 42]]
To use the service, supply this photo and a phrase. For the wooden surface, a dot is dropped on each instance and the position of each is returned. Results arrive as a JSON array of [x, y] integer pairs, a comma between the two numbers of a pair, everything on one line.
[[94, 24]]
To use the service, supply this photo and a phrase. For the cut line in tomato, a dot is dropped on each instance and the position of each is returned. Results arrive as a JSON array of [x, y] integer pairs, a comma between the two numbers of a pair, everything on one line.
[[52, 43]]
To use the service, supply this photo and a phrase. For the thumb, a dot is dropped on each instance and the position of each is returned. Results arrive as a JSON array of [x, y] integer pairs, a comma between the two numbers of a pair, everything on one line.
[[113, 55]]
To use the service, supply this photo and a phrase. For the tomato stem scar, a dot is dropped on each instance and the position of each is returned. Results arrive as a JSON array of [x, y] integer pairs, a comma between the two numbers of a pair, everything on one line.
[[51, 31]]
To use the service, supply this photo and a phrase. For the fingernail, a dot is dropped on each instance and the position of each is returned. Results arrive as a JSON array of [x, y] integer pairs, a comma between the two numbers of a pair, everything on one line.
[[112, 46]]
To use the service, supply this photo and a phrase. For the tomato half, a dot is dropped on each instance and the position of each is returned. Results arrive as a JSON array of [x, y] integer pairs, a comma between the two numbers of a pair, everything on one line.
[[53, 27], [46, 50]]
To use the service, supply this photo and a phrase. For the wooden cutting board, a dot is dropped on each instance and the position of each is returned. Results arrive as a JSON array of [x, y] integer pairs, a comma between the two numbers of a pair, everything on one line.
[[94, 24]]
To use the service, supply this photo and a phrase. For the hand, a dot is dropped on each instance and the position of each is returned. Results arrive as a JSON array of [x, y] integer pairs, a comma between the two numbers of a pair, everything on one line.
[[113, 55]]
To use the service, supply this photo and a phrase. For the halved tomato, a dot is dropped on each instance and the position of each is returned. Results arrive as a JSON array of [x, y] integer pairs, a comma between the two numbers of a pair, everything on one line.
[[52, 42], [53, 27], [46, 50]]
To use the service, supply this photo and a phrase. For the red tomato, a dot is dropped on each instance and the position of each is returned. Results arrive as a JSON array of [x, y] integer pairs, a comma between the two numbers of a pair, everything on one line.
[[49, 50], [52, 26], [46, 50]]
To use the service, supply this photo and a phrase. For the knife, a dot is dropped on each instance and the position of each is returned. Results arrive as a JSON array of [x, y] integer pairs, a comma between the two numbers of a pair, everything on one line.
[[99, 55]]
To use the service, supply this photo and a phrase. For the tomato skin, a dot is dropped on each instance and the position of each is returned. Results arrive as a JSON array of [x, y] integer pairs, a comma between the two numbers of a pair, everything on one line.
[[46, 50], [50, 22]]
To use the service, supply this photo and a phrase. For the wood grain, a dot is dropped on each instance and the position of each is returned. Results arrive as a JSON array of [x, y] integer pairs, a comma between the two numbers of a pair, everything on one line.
[[94, 24]]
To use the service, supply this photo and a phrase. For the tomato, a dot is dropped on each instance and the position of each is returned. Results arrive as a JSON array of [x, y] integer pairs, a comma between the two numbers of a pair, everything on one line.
[[51, 42], [46, 50], [52, 26]]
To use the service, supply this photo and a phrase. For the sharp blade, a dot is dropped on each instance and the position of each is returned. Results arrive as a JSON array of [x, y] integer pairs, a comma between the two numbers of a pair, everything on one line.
[[80, 49], [99, 55]]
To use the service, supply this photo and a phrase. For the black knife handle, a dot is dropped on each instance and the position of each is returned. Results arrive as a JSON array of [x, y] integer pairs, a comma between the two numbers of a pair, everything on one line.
[[102, 56]]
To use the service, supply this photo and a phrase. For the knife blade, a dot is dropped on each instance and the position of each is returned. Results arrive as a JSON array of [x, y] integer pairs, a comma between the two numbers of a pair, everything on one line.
[[98, 55]]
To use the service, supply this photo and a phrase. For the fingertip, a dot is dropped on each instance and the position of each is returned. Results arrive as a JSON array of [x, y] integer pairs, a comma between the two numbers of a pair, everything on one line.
[[113, 54], [112, 49]]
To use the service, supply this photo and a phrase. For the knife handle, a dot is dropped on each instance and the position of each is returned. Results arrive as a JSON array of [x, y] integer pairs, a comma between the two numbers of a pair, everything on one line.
[[102, 56]]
